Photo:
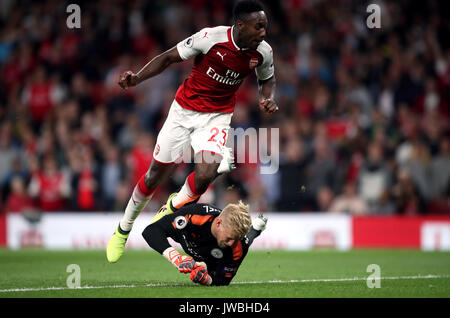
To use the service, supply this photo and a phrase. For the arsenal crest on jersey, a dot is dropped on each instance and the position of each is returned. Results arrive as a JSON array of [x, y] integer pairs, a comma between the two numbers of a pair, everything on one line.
[[253, 63]]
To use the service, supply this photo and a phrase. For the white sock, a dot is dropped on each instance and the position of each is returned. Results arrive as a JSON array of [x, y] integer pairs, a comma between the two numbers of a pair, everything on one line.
[[135, 205], [186, 194]]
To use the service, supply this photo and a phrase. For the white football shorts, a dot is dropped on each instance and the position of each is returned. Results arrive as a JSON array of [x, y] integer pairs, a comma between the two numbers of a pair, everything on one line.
[[205, 132]]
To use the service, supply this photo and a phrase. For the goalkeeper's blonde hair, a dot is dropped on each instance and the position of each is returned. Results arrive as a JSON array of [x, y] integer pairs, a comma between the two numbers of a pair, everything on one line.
[[237, 217]]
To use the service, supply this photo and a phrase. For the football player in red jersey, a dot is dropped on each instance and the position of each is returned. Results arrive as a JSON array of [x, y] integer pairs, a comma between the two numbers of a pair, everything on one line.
[[201, 112], [215, 240]]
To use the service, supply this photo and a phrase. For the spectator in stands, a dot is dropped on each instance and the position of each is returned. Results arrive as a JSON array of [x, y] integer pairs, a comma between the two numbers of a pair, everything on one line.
[[440, 176], [324, 199], [386, 204], [112, 172], [321, 169], [407, 197], [50, 187], [140, 155], [257, 198], [18, 200], [9, 153], [121, 197], [41, 95], [85, 183], [231, 194], [349, 201], [291, 176], [418, 167], [374, 177], [18, 169]]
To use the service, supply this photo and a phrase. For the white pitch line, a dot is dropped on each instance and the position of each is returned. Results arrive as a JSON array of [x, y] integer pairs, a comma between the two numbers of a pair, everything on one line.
[[322, 280], [325, 280]]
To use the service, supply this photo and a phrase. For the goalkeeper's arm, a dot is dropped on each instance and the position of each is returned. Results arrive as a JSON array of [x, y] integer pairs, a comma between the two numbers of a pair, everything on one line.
[[156, 237], [258, 225]]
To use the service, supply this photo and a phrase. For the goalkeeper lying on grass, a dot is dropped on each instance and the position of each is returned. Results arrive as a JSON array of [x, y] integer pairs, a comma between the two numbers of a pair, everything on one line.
[[216, 240]]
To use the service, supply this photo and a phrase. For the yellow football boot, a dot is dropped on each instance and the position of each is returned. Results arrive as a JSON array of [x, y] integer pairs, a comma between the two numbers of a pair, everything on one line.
[[116, 246], [165, 209]]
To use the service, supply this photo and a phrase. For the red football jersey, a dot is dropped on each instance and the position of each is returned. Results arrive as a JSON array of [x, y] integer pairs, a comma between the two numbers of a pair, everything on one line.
[[220, 67], [50, 198]]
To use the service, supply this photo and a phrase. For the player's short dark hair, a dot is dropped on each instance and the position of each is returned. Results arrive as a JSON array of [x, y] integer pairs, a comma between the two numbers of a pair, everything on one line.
[[245, 7]]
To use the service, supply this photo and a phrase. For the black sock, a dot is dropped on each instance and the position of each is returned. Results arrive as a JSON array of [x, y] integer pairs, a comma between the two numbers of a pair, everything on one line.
[[122, 231], [172, 207]]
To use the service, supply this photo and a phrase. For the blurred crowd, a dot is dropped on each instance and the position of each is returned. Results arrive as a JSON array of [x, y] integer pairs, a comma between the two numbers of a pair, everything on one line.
[[363, 120]]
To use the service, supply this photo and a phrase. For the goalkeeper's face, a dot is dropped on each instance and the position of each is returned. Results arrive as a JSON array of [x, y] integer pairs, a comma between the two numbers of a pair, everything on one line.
[[225, 235]]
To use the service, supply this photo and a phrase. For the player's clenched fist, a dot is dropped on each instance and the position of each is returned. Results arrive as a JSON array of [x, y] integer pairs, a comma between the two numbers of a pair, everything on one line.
[[128, 79], [268, 105], [200, 276]]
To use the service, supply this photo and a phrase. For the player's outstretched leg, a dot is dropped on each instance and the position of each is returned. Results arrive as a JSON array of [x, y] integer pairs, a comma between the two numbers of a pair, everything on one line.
[[196, 183], [141, 195], [188, 192]]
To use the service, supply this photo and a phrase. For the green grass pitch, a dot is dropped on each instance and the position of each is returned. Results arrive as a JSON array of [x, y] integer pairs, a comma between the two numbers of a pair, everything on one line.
[[263, 274]]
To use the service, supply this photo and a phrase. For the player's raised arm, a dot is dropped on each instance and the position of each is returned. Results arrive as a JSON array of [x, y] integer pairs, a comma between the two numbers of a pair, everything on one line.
[[157, 65], [186, 49], [258, 225]]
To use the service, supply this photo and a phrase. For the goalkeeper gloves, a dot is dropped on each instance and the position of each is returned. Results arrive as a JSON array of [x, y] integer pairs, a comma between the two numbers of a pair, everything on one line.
[[259, 223], [200, 276], [184, 264]]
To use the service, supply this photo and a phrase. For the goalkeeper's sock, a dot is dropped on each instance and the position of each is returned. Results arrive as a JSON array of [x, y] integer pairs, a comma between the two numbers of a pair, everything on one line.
[[139, 198], [187, 193]]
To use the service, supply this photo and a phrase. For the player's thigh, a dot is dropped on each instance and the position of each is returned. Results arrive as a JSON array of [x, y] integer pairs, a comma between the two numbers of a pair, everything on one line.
[[209, 140], [173, 138]]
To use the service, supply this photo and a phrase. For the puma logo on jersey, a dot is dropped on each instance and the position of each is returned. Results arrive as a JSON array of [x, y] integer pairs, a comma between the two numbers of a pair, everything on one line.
[[222, 56]]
